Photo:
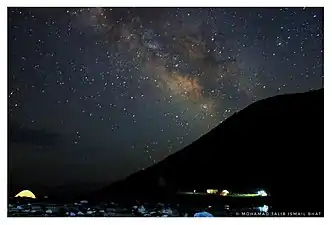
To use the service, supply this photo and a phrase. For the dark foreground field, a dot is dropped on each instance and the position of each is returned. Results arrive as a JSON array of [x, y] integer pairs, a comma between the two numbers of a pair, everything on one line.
[[181, 205]]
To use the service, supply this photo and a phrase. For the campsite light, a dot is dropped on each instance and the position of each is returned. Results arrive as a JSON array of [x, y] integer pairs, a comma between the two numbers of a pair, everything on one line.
[[224, 193], [25, 194], [262, 193], [264, 208], [211, 191]]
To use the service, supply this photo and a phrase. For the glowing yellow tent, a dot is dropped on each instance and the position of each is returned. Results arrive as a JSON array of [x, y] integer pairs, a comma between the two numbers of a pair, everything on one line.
[[25, 194]]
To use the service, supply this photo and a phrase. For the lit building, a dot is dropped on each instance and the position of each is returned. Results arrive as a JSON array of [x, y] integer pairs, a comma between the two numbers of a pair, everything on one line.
[[25, 194], [212, 191]]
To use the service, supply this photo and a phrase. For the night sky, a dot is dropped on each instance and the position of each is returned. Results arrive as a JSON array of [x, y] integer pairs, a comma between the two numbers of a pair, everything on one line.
[[95, 94]]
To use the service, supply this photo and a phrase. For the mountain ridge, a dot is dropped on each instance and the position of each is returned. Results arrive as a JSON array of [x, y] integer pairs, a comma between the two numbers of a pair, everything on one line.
[[265, 145]]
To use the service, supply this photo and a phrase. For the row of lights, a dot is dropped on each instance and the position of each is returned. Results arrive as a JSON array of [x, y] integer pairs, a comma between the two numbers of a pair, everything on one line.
[[225, 192]]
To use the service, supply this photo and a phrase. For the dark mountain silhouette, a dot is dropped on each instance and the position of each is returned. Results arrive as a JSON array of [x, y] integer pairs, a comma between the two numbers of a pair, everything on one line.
[[276, 144]]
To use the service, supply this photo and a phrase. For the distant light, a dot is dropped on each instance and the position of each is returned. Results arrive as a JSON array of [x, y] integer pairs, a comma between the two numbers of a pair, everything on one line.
[[204, 106], [224, 193], [194, 191], [212, 191], [262, 193], [264, 208]]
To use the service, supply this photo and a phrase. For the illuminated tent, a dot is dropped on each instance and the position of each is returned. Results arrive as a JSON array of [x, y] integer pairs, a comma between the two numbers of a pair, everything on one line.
[[25, 194], [203, 214], [224, 193], [261, 193]]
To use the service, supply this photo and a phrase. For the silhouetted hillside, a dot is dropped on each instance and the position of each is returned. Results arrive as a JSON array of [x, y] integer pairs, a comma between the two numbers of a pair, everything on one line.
[[276, 144]]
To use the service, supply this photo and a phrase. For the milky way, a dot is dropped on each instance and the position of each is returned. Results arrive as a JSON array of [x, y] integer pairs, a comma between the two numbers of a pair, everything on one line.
[[111, 91]]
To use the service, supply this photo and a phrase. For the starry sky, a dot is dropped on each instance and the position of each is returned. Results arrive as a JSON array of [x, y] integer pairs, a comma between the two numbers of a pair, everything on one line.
[[95, 94]]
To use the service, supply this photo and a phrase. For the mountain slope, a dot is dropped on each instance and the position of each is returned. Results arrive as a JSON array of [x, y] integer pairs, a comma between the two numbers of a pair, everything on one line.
[[276, 144]]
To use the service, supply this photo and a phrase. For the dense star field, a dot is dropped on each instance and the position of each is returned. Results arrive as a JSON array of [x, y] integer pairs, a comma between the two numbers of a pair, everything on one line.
[[98, 93]]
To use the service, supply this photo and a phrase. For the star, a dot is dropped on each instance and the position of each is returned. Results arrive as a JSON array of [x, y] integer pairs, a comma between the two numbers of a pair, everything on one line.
[[108, 79]]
